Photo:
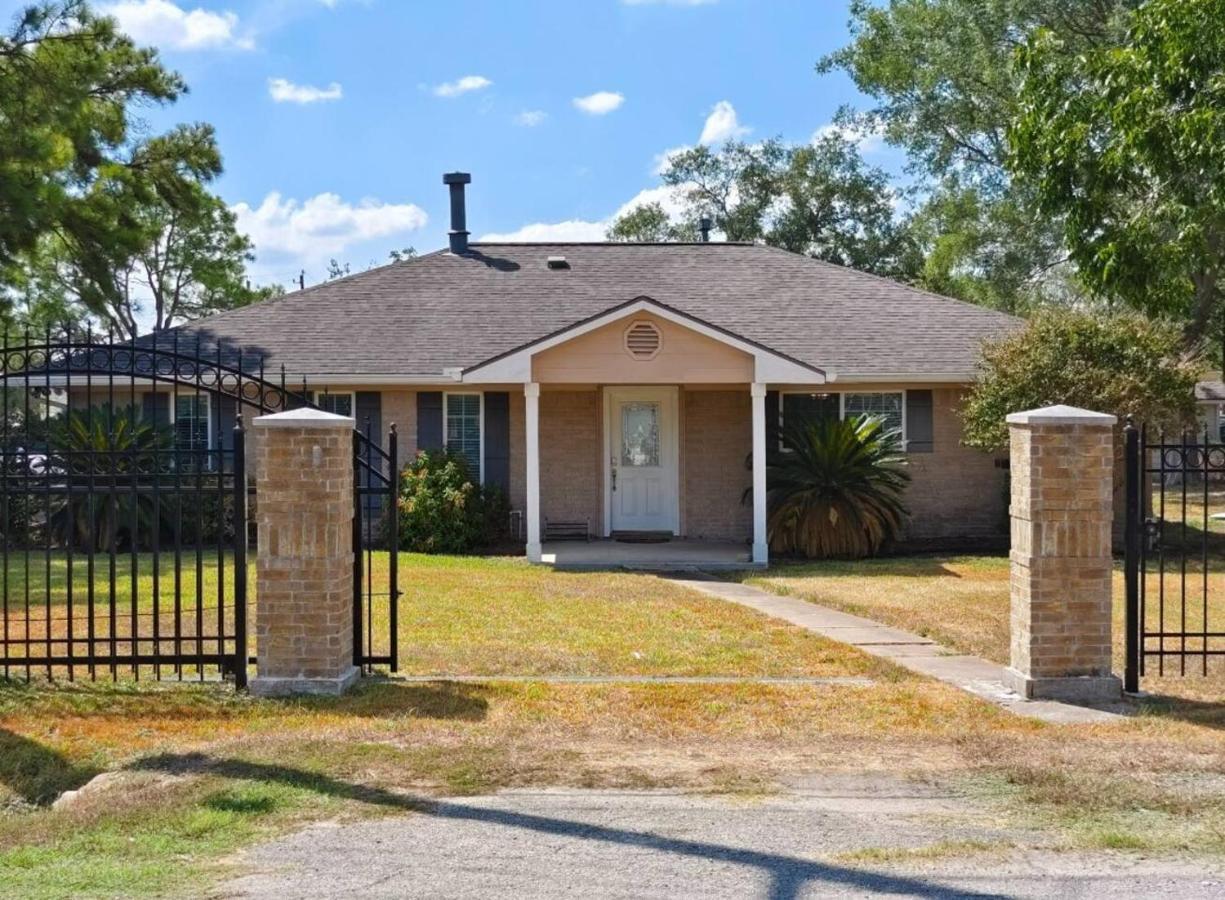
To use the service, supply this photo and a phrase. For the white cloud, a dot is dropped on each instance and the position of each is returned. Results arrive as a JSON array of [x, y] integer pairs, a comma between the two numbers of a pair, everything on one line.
[[600, 103], [284, 91], [530, 118], [460, 86], [663, 160], [325, 225], [867, 141], [162, 23], [584, 229], [722, 124]]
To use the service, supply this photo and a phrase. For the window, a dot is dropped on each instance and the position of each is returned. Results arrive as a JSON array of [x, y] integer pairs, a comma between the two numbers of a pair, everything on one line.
[[886, 406], [889, 405], [809, 408], [340, 404], [192, 427], [462, 417]]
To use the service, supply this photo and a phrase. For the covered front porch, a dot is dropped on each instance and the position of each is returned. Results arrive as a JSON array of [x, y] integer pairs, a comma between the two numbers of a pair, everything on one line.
[[645, 436], [678, 553]]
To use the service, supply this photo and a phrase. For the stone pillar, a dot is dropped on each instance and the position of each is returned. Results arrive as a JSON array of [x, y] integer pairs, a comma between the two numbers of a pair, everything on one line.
[[1062, 462], [304, 561]]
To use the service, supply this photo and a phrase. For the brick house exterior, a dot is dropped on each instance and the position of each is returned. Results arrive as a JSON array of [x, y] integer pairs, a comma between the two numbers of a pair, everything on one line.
[[631, 388]]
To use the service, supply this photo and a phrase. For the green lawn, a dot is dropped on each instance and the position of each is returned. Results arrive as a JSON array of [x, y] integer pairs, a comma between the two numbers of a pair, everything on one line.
[[458, 616]]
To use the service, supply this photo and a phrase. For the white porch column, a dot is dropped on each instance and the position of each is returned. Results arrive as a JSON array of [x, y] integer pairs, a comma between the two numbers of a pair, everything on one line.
[[531, 391], [761, 547]]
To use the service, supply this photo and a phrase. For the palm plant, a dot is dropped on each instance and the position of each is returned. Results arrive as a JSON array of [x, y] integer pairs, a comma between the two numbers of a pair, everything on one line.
[[836, 490], [104, 446]]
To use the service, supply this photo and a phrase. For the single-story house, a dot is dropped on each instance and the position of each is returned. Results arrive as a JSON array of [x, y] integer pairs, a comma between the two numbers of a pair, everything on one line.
[[625, 387]]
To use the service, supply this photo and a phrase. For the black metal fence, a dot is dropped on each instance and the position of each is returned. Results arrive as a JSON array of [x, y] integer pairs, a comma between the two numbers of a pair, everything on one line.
[[126, 510], [1174, 565]]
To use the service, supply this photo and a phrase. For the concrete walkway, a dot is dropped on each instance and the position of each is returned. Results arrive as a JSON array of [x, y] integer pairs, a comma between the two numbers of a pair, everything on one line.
[[911, 651]]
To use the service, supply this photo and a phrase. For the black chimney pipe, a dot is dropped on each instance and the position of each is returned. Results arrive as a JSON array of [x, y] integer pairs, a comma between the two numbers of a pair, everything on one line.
[[459, 217], [705, 224]]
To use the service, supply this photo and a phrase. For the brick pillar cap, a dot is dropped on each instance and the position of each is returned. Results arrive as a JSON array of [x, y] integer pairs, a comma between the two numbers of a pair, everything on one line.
[[305, 418], [1061, 415]]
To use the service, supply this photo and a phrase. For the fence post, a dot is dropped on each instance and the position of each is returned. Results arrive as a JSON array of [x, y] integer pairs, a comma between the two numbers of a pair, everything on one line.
[[393, 550], [1131, 558], [304, 558], [1062, 514], [241, 650]]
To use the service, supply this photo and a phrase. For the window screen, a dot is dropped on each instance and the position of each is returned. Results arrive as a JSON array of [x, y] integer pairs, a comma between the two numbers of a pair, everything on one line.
[[464, 429], [340, 404], [886, 406], [191, 422]]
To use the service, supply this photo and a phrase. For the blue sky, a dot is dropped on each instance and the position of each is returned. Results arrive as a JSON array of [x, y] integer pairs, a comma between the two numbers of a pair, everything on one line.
[[337, 118]]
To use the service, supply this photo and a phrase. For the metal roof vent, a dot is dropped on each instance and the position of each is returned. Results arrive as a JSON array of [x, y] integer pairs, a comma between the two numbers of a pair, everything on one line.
[[557, 262], [643, 340]]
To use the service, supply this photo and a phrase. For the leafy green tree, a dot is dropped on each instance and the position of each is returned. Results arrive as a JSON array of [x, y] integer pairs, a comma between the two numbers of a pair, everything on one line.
[[1123, 364], [837, 489], [1125, 144], [649, 223], [96, 218], [193, 265], [820, 199], [944, 83]]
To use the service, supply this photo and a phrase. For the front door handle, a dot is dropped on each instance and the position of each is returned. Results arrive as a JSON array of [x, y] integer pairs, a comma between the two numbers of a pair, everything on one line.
[[612, 465]]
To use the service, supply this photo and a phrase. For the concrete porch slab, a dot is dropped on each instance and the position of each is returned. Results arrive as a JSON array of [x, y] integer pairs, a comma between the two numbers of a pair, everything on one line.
[[677, 555]]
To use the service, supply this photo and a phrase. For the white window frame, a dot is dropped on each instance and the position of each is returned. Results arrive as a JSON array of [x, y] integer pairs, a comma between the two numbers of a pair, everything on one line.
[[480, 426], [842, 411], [314, 396], [208, 414]]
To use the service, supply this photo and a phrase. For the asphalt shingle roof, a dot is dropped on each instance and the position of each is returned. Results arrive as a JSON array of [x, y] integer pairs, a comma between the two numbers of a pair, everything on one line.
[[417, 317]]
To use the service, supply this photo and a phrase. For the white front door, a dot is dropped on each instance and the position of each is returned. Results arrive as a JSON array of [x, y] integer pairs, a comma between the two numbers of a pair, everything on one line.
[[642, 459]]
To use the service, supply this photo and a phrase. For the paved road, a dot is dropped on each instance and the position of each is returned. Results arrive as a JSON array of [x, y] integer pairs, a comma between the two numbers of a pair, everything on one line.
[[621, 844]]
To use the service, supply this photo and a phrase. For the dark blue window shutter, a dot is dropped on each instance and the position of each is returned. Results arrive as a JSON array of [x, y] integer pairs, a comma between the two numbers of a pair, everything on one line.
[[919, 432], [429, 420], [368, 412], [497, 439], [223, 420], [155, 408]]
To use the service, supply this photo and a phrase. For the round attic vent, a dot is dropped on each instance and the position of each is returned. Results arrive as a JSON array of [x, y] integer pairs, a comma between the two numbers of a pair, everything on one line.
[[643, 340]]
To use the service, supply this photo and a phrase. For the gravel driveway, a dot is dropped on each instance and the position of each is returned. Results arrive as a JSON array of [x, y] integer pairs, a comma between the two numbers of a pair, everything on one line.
[[625, 844]]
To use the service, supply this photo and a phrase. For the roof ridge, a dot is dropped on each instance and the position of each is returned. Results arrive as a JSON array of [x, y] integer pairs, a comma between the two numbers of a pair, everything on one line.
[[614, 244]]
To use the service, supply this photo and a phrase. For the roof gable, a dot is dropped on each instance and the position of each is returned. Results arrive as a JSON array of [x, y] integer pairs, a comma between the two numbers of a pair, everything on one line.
[[515, 365]]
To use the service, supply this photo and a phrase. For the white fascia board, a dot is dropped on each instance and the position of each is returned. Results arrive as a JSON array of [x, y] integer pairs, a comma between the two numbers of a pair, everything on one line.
[[909, 378], [517, 367]]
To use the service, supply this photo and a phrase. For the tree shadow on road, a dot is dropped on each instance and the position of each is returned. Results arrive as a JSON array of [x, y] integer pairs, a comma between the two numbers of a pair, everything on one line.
[[788, 874]]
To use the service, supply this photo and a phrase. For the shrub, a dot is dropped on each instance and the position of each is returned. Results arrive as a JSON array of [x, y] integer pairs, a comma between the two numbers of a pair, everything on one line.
[[442, 509], [836, 491], [1120, 363]]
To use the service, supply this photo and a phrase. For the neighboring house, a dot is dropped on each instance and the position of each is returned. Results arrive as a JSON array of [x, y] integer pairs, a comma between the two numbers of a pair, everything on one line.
[[1209, 402], [625, 387]]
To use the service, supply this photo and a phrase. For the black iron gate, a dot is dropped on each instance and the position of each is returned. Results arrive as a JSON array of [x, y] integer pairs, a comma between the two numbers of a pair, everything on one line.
[[1174, 566], [124, 510], [376, 592]]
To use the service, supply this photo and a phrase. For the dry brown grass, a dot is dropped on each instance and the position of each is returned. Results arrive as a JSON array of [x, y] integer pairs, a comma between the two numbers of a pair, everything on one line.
[[251, 767]]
